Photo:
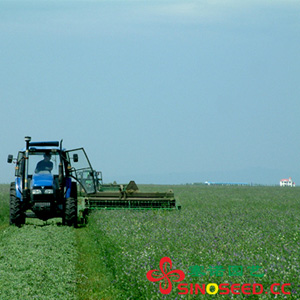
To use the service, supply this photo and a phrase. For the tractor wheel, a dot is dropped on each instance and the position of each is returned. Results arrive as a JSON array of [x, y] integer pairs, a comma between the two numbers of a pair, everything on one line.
[[17, 216], [70, 217]]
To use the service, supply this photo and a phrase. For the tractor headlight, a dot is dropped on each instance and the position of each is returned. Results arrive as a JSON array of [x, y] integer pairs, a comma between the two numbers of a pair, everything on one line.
[[36, 192], [49, 191]]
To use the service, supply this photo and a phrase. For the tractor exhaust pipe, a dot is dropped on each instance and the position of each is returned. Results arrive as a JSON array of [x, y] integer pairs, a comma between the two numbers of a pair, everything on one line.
[[61, 173], [27, 140]]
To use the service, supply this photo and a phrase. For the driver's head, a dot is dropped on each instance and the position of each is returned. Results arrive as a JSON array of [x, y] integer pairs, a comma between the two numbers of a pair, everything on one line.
[[47, 156]]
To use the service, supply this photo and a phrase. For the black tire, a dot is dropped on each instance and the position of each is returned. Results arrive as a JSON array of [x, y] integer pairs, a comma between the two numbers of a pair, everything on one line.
[[70, 217], [17, 216]]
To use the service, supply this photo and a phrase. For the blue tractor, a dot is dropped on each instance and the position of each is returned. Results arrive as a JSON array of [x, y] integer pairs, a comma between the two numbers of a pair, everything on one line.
[[46, 179]]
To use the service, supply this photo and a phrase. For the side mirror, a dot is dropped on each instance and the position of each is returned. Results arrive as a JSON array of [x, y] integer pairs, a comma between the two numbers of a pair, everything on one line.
[[10, 158], [75, 157]]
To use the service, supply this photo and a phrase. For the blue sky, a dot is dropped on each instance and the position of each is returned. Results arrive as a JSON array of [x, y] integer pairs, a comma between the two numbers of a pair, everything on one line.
[[156, 91]]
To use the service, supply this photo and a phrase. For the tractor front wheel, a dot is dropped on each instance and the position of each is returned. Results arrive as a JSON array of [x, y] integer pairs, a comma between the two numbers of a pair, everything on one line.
[[70, 217], [17, 216]]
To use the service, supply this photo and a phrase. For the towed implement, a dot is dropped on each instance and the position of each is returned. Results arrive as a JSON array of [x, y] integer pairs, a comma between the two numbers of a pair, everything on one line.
[[113, 196], [51, 182]]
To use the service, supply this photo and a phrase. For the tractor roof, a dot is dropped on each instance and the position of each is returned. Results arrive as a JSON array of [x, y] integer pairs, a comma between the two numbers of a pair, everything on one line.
[[40, 146]]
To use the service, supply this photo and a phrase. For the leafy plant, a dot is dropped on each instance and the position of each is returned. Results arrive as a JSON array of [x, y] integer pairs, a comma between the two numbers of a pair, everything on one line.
[[217, 226]]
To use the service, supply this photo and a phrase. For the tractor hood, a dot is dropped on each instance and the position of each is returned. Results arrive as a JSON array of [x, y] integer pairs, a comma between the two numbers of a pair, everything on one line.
[[44, 179]]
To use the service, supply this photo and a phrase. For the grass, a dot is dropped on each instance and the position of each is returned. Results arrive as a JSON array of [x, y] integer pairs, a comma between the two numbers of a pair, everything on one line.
[[38, 260], [217, 226], [4, 205], [109, 258]]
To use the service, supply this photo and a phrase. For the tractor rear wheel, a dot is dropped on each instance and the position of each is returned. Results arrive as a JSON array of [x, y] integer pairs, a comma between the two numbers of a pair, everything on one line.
[[70, 216], [17, 216]]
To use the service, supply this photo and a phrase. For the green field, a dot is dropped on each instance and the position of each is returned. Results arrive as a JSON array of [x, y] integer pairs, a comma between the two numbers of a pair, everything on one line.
[[218, 228]]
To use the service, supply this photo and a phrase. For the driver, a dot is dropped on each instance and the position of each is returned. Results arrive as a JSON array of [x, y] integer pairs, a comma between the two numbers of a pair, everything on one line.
[[45, 164]]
